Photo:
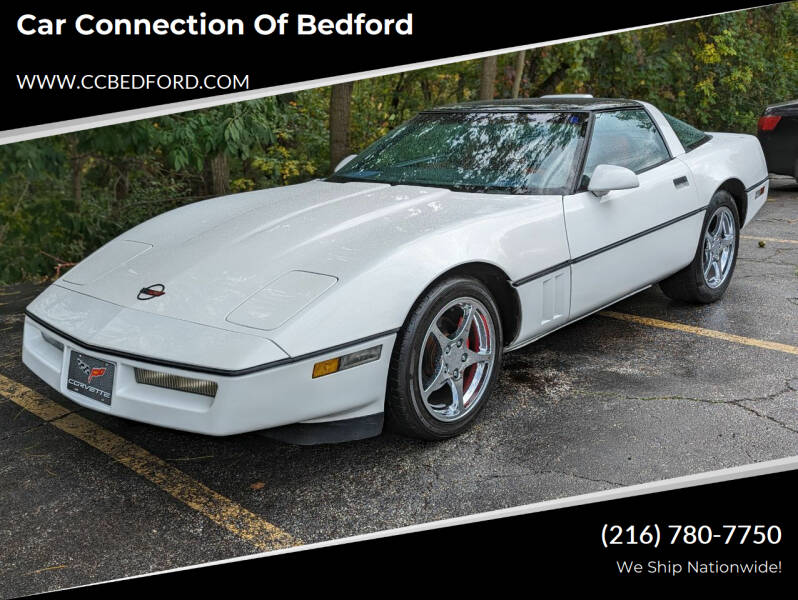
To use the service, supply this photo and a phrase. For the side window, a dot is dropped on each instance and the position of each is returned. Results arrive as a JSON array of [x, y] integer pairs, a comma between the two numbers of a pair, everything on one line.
[[689, 136], [627, 138]]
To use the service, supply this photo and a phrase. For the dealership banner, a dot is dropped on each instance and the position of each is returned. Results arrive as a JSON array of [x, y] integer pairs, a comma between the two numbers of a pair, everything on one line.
[[91, 59], [717, 532]]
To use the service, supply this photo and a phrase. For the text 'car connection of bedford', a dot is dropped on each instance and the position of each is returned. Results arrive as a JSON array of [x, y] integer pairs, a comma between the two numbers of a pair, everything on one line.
[[389, 291]]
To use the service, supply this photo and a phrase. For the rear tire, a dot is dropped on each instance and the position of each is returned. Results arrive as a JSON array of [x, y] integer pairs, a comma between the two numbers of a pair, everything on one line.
[[445, 362], [706, 278]]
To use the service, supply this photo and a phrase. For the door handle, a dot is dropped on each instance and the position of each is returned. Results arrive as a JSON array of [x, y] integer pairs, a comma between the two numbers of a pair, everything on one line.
[[681, 182]]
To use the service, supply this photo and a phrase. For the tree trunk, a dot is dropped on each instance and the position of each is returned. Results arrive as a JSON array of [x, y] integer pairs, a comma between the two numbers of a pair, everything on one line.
[[460, 87], [76, 163], [487, 83], [122, 185], [121, 189], [397, 91], [219, 167], [77, 181], [519, 72], [340, 113], [426, 90]]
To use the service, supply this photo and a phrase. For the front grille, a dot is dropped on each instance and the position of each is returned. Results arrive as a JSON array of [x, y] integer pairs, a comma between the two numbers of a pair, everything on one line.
[[176, 382]]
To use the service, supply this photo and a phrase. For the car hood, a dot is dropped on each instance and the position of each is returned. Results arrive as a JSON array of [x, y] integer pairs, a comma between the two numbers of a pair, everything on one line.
[[212, 256]]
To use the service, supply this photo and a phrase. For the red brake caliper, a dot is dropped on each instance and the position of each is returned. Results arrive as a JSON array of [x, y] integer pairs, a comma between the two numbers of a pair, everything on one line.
[[468, 375]]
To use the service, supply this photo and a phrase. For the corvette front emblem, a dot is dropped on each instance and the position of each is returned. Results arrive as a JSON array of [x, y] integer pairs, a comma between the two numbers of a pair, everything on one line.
[[91, 372], [152, 291]]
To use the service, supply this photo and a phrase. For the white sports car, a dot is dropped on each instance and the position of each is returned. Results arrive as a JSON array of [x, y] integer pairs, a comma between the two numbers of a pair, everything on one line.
[[392, 288]]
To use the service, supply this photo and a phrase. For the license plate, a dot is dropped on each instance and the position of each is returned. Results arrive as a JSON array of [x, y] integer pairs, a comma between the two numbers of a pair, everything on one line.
[[91, 377]]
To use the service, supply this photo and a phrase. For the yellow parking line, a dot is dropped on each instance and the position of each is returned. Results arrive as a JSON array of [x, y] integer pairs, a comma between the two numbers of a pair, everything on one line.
[[767, 239], [720, 335], [37, 571], [221, 510]]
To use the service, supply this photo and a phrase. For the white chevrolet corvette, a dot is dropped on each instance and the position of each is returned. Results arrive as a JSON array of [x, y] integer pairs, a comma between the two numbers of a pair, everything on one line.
[[392, 288]]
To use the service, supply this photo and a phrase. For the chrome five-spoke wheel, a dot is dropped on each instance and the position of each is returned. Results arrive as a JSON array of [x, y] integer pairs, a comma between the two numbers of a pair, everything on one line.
[[456, 359], [718, 247], [708, 275], [446, 359]]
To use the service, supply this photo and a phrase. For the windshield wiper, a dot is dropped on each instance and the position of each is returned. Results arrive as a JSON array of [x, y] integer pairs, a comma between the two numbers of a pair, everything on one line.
[[415, 161]]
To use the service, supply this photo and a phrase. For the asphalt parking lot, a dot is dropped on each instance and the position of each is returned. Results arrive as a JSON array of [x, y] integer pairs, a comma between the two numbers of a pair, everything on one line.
[[651, 390]]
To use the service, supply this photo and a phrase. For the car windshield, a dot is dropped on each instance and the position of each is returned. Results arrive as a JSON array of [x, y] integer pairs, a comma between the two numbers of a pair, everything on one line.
[[517, 153]]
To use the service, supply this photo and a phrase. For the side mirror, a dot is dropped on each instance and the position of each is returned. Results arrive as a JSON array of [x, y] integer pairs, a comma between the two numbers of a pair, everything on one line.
[[607, 178], [344, 162]]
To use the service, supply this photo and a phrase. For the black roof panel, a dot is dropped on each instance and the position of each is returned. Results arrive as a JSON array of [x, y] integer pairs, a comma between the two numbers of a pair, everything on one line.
[[546, 104], [789, 108]]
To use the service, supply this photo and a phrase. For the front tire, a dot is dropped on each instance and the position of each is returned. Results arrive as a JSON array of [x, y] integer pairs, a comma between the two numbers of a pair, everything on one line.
[[706, 278], [446, 360]]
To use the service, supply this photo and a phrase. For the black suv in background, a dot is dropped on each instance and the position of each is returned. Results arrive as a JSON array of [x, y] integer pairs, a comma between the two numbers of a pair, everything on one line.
[[778, 133]]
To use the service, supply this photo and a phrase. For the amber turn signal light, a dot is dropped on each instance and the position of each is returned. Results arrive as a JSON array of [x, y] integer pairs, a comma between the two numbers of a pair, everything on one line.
[[325, 367], [340, 363]]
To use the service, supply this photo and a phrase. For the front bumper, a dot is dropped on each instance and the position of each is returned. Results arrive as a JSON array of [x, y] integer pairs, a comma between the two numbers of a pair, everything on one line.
[[271, 397]]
